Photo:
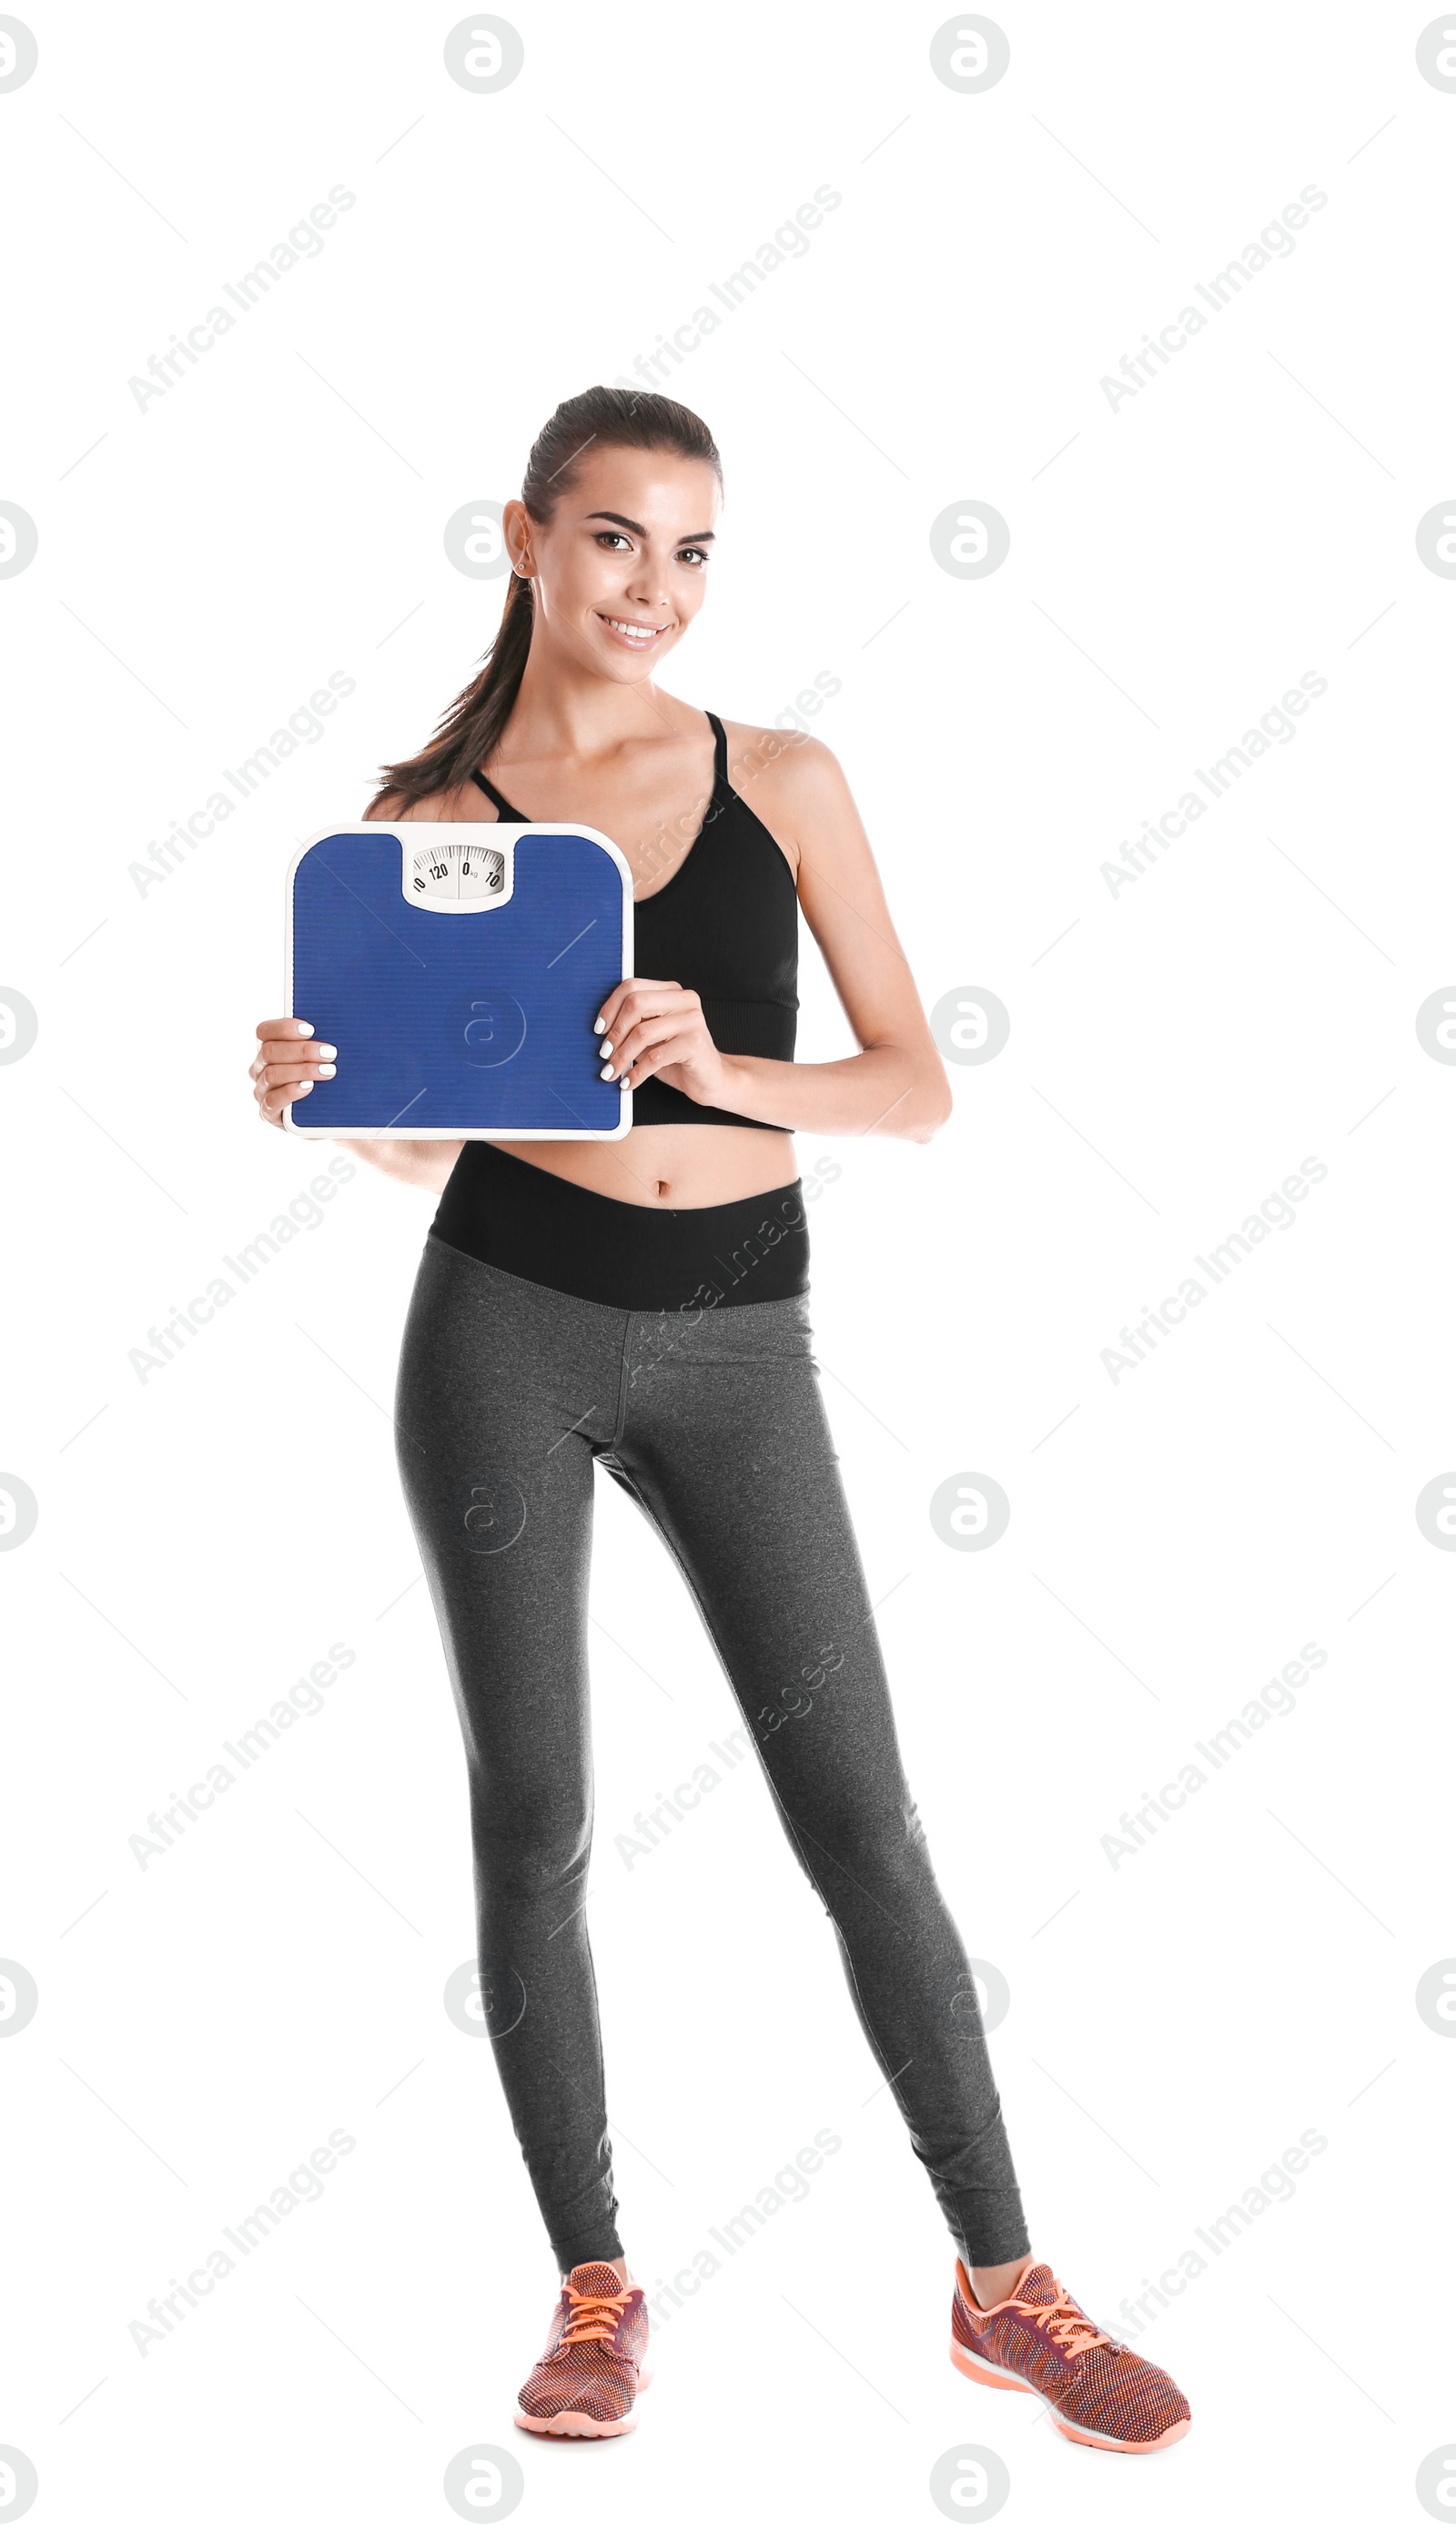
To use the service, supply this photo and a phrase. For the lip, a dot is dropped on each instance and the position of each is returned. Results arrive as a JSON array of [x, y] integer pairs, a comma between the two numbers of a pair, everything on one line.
[[639, 643]]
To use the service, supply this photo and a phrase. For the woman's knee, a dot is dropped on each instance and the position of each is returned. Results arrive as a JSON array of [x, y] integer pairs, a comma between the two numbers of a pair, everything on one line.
[[881, 1846], [531, 1842]]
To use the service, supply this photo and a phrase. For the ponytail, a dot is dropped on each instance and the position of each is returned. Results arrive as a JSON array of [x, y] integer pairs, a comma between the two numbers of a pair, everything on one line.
[[470, 729]]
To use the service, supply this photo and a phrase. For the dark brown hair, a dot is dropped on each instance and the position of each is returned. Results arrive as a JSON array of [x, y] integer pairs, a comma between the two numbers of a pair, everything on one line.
[[599, 419]]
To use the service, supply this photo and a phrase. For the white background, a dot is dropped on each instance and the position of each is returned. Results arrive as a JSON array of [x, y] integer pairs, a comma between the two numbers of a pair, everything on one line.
[[1176, 1050]]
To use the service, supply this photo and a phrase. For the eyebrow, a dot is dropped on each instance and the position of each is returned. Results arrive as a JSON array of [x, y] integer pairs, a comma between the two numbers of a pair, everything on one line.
[[694, 537]]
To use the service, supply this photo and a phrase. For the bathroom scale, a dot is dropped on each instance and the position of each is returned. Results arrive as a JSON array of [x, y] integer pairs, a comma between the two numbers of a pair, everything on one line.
[[458, 969]]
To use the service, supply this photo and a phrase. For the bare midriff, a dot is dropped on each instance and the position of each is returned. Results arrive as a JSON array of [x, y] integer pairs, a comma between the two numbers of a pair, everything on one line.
[[664, 1164]]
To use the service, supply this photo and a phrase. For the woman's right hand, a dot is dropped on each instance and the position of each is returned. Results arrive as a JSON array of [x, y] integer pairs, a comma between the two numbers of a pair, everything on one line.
[[287, 1065]]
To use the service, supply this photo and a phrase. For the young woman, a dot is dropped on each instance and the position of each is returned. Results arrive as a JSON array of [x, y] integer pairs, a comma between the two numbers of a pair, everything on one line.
[[643, 1306]]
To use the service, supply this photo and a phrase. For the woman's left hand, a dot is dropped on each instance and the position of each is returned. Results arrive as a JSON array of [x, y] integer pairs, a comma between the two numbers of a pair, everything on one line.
[[654, 1028]]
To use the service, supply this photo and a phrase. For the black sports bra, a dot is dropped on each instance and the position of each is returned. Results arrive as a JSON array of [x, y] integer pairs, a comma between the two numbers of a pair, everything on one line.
[[725, 924]]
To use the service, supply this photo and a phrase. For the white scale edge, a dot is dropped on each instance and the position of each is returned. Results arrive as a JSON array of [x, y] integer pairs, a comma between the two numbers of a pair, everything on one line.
[[504, 835]]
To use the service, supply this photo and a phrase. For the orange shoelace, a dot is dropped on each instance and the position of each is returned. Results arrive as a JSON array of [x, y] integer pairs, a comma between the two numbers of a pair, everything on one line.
[[1064, 2321], [592, 2317]]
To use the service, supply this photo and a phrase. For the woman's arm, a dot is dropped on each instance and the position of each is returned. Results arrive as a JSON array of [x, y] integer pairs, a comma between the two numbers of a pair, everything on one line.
[[897, 1087], [880, 1094], [286, 1069], [427, 1163]]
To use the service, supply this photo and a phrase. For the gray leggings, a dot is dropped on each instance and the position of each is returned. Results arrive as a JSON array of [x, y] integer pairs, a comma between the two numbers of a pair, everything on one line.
[[509, 1393]]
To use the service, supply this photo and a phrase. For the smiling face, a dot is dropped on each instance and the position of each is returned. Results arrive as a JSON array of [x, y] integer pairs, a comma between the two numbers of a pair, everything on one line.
[[620, 570]]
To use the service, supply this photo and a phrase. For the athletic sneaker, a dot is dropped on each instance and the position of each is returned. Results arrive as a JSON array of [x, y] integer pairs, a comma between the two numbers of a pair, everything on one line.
[[587, 2379], [1097, 2390]]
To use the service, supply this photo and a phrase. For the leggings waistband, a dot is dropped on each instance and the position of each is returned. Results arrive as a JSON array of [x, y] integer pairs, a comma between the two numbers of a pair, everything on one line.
[[537, 1225]]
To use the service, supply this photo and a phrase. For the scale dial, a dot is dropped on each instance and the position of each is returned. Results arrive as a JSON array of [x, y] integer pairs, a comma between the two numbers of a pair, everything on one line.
[[455, 873]]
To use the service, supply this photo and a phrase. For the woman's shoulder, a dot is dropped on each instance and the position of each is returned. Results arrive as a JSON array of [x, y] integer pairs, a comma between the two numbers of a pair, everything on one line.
[[787, 774]]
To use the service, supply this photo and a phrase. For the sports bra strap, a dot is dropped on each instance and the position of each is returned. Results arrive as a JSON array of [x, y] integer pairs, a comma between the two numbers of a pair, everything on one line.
[[719, 759], [506, 809]]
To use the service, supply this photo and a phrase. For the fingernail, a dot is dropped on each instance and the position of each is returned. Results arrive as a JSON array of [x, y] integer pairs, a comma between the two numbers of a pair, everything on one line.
[[606, 1071], [306, 1088], [600, 1024], [306, 1030], [328, 1071], [626, 1084], [607, 1049], [326, 1049]]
